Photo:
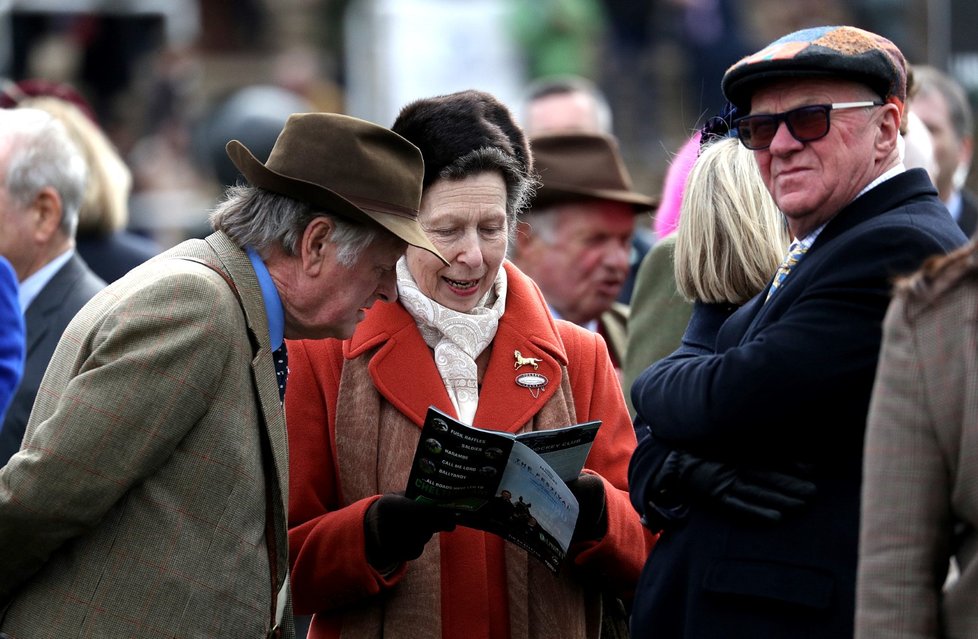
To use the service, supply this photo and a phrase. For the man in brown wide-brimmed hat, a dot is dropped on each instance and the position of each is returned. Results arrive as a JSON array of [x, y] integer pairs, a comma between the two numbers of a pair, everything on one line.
[[149, 495], [576, 240]]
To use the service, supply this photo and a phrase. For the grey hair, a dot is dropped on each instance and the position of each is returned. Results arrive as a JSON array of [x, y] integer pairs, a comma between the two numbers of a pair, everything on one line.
[[43, 155], [252, 216], [543, 224]]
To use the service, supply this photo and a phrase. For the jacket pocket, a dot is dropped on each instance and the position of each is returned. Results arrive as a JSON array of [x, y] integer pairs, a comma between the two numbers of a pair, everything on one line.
[[775, 581]]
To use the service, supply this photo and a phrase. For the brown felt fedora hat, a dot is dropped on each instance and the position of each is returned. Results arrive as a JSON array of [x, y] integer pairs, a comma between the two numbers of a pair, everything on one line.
[[575, 166], [347, 166]]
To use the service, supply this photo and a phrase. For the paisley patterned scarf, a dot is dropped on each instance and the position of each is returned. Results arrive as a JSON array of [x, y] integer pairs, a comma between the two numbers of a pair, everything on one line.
[[457, 338]]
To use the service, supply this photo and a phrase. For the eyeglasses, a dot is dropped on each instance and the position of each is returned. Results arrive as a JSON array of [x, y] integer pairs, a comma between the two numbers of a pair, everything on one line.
[[805, 124]]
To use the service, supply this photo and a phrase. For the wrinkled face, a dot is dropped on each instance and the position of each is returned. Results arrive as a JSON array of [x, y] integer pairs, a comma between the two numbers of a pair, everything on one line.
[[323, 298], [466, 221], [812, 181], [582, 268], [949, 151]]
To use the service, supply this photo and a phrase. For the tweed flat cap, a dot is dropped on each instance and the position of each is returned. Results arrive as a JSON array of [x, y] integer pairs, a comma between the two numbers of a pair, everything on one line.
[[839, 51]]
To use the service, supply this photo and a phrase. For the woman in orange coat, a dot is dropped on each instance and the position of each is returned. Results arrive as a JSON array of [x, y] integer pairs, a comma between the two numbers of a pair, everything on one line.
[[367, 561]]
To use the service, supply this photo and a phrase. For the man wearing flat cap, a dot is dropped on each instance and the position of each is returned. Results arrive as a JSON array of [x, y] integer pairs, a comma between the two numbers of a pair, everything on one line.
[[575, 243], [148, 497], [750, 452]]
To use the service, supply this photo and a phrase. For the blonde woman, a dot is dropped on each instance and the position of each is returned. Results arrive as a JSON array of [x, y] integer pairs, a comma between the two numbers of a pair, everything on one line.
[[729, 242], [731, 235]]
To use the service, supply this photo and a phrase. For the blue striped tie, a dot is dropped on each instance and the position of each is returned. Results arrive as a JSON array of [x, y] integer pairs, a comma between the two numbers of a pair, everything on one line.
[[795, 253]]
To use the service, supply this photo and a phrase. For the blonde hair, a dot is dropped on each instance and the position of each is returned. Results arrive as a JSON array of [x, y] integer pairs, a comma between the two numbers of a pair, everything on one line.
[[731, 235], [105, 204]]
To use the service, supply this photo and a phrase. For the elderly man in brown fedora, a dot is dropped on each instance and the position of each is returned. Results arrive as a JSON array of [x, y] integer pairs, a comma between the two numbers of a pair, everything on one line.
[[148, 497], [575, 242]]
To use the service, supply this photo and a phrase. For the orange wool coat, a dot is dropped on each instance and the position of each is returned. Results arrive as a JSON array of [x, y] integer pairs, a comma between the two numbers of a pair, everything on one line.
[[330, 573]]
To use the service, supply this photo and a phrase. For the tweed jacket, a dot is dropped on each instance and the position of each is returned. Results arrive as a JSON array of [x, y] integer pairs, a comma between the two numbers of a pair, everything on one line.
[[137, 505], [11, 336], [473, 583], [788, 382], [46, 318], [920, 491]]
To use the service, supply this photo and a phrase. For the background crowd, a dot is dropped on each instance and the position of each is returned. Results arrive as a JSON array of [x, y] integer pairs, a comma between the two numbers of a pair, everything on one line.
[[568, 188]]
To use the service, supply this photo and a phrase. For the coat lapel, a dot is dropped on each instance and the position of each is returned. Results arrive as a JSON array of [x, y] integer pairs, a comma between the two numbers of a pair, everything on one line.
[[37, 319], [404, 372], [239, 268]]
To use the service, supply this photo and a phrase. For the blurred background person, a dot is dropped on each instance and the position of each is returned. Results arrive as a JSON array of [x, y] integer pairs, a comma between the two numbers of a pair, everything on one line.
[[355, 407], [917, 146], [254, 114], [559, 36], [918, 571], [565, 103], [11, 336], [730, 240], [575, 241], [943, 106], [44, 176], [102, 239], [554, 104]]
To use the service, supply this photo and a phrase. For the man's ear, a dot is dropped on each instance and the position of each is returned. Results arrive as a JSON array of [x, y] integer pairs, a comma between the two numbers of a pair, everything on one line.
[[316, 248], [889, 130], [47, 211]]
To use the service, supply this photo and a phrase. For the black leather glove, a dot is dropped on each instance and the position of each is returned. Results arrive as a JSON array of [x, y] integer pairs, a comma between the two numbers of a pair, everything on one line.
[[592, 522], [397, 529], [763, 494]]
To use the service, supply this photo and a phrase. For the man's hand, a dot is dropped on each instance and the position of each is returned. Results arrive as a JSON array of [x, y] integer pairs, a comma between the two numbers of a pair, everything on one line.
[[760, 494]]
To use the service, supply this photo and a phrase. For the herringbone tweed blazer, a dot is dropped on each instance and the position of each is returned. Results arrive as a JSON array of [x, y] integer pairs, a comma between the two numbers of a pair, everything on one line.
[[137, 504], [920, 488]]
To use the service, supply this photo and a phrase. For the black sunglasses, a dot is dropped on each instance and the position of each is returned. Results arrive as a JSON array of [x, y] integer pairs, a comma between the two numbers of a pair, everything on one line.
[[805, 124]]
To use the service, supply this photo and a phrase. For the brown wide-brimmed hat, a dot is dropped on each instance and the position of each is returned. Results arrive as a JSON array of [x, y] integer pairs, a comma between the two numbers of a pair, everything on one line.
[[580, 166], [347, 166]]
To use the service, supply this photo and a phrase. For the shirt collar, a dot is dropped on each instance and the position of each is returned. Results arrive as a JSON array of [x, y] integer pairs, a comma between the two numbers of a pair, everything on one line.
[[893, 172], [33, 285], [953, 205], [269, 295]]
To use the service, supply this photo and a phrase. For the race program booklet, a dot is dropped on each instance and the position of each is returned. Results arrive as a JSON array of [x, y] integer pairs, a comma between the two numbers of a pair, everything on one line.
[[510, 485]]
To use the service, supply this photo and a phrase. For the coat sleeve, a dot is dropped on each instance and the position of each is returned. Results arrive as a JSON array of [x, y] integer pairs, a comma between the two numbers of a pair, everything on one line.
[[119, 397], [906, 513], [618, 557], [327, 547], [825, 344]]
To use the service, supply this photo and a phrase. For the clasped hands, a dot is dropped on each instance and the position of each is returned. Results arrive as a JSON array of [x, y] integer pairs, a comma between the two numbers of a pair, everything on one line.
[[765, 495]]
